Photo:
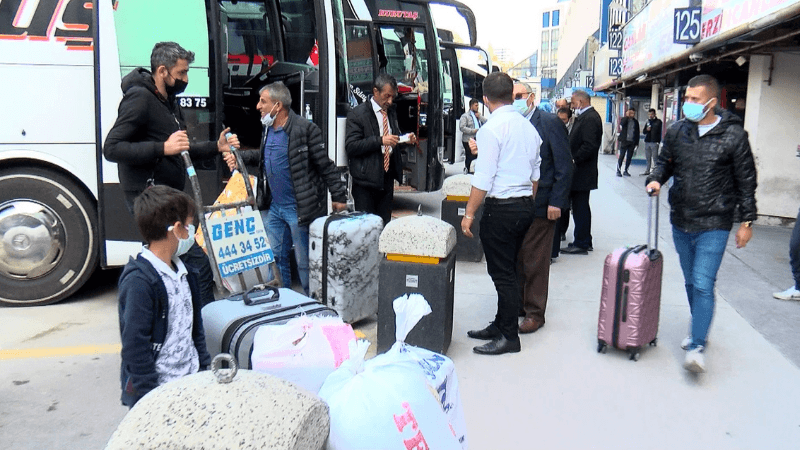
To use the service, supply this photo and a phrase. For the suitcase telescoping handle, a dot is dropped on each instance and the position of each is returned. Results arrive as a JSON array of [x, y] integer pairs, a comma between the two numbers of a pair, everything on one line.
[[652, 221], [272, 296]]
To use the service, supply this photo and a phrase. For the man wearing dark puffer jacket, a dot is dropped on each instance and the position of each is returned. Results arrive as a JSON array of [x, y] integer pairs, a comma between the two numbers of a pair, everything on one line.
[[714, 176]]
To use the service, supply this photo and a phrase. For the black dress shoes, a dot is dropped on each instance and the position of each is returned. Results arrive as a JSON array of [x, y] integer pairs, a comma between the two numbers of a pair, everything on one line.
[[487, 334], [498, 347], [573, 250]]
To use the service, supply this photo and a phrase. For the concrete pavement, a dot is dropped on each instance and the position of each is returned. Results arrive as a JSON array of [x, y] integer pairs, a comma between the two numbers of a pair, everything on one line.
[[560, 393]]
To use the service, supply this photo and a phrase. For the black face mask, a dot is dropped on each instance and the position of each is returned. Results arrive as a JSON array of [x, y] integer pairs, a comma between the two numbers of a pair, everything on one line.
[[176, 88]]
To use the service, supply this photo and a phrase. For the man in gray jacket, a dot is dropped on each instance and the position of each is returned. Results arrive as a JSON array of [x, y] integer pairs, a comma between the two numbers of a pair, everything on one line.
[[468, 124]]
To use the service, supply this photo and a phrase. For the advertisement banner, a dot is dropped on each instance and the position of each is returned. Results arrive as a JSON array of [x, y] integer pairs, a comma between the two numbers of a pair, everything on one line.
[[648, 36], [720, 16]]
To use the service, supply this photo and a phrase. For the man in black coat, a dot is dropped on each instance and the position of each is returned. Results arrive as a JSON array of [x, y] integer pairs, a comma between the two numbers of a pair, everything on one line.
[[552, 194], [150, 133], [652, 138], [628, 141], [371, 140], [584, 142]]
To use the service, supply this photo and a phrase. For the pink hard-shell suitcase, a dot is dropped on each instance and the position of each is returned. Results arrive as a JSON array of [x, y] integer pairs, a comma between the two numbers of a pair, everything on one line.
[[631, 296]]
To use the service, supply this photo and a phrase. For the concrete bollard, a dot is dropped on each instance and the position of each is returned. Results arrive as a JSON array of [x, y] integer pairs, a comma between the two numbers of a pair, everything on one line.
[[251, 411], [456, 190], [419, 258]]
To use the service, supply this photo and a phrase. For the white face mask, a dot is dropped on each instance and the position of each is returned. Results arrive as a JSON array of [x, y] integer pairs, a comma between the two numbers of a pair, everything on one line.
[[269, 119], [185, 244]]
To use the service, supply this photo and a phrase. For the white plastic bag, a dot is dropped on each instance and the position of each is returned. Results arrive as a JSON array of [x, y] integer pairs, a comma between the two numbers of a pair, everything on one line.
[[304, 350], [389, 402]]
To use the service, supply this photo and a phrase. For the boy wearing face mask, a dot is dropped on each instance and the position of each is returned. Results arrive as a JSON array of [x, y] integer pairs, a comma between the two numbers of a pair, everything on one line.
[[160, 324], [150, 133], [714, 177]]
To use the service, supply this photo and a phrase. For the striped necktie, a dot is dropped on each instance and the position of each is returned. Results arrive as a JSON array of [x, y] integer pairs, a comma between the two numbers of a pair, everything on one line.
[[386, 149]]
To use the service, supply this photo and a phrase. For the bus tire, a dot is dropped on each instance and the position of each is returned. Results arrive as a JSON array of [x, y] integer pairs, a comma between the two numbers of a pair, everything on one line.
[[48, 236]]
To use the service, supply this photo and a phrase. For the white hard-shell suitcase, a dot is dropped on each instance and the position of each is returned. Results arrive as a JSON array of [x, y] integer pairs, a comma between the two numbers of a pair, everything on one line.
[[343, 263]]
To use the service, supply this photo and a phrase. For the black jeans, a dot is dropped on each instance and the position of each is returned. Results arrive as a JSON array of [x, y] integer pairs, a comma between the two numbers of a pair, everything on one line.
[[582, 216], [376, 201], [468, 156], [794, 252], [503, 228], [625, 154]]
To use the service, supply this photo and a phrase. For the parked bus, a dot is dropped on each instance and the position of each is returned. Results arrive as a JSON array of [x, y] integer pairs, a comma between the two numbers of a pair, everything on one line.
[[62, 211]]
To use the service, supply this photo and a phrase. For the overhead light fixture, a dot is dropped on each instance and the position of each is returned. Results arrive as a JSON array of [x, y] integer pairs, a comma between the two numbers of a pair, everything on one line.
[[641, 78], [696, 57], [741, 60]]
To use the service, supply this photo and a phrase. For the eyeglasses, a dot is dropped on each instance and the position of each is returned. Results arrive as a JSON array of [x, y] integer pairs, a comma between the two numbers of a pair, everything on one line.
[[521, 96]]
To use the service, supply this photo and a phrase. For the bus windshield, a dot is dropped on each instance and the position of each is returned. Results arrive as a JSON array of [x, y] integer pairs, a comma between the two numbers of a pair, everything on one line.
[[247, 32]]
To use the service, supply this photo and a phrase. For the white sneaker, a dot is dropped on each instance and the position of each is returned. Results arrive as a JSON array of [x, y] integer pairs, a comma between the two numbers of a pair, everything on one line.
[[790, 294], [686, 342], [695, 362]]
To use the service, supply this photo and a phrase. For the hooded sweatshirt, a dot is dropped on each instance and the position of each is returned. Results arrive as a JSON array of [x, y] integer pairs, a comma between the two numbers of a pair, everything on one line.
[[136, 142]]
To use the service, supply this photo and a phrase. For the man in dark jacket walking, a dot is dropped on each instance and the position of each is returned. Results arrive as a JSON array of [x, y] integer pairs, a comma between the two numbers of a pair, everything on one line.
[[628, 141], [552, 194], [714, 175], [371, 140], [652, 138], [150, 133], [584, 142], [294, 176]]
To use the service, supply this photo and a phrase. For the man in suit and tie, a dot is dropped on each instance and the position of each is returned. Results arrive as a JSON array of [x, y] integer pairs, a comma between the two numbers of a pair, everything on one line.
[[584, 142], [371, 140], [552, 194]]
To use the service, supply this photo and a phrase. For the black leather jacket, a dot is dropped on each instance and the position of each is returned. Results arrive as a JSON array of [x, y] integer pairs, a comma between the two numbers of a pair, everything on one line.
[[714, 175]]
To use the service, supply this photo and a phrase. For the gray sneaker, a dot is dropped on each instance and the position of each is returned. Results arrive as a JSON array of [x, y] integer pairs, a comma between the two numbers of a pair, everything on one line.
[[695, 362], [686, 342], [790, 294]]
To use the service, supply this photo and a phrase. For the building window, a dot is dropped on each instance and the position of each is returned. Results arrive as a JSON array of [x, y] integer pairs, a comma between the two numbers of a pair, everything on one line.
[[555, 17], [545, 36], [546, 20]]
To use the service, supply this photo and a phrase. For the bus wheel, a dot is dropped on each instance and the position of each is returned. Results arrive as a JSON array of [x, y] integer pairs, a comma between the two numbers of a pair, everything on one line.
[[48, 237]]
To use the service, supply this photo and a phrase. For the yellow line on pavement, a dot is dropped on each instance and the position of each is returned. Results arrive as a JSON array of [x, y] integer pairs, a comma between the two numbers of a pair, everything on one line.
[[59, 351]]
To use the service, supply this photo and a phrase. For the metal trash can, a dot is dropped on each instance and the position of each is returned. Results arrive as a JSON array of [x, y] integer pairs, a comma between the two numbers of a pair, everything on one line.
[[456, 190], [418, 258]]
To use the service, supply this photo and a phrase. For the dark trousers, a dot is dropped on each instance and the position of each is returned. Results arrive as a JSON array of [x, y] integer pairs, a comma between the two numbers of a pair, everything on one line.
[[468, 156], [582, 216], [794, 252], [376, 201], [195, 258], [503, 228], [561, 227], [625, 154], [533, 267]]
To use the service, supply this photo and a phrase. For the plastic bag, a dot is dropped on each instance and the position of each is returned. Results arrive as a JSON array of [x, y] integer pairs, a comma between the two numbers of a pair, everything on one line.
[[303, 351], [388, 402]]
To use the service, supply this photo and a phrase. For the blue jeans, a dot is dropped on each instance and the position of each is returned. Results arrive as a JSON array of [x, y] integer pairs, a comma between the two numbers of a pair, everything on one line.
[[700, 254], [794, 252], [283, 231]]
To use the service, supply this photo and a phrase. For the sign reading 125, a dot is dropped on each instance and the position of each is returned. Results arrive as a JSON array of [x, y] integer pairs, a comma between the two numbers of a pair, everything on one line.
[[687, 25]]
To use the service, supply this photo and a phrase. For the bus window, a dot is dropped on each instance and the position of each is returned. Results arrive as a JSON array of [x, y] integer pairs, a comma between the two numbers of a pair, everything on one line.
[[359, 60], [250, 48], [300, 30], [406, 56]]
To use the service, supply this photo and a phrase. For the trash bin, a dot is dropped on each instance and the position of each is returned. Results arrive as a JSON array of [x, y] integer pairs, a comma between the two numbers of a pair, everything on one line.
[[456, 190], [418, 258], [219, 409]]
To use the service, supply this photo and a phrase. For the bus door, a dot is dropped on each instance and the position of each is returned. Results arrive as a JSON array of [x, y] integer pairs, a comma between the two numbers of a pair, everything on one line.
[[404, 52], [453, 95]]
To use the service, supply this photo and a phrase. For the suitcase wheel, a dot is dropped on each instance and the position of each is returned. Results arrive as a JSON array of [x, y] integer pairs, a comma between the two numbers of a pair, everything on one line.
[[654, 342], [601, 347], [634, 355]]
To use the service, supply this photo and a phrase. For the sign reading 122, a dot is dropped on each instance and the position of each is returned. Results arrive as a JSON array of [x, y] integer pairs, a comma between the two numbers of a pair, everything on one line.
[[687, 24]]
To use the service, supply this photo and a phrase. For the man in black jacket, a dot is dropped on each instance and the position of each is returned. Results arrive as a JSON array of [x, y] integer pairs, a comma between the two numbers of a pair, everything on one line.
[[371, 140], [294, 175], [652, 137], [628, 140], [714, 177], [150, 133], [584, 142], [552, 194]]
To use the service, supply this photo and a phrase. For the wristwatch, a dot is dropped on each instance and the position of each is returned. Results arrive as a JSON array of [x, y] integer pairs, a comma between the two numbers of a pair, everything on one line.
[[748, 224]]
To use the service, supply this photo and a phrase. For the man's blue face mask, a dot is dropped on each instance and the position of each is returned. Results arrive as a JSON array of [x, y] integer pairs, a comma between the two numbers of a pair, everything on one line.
[[695, 111]]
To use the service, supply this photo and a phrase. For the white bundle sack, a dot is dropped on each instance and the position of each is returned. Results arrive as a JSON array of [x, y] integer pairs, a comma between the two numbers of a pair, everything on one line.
[[388, 402]]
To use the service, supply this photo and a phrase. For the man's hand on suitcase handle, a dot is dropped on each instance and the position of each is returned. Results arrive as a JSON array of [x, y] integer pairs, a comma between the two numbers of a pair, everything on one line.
[[338, 207], [653, 188]]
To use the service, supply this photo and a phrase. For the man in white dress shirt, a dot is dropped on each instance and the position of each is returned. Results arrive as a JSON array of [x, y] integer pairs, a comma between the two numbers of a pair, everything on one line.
[[506, 176]]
